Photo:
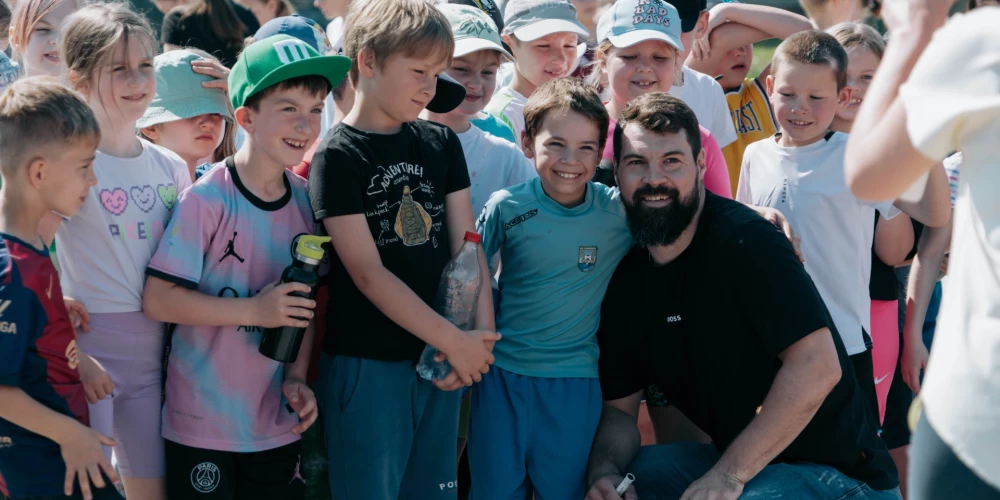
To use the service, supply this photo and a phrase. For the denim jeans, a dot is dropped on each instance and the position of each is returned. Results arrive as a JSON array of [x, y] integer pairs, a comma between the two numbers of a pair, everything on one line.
[[663, 472]]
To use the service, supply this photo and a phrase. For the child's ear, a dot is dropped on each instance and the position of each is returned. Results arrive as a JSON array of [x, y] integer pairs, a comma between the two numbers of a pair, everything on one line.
[[701, 28], [366, 63], [244, 118], [152, 133], [527, 146], [769, 84], [508, 40], [844, 98], [14, 41], [37, 172]]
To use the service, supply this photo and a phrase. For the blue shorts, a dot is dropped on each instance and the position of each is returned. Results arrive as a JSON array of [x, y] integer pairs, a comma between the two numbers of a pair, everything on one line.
[[389, 433], [532, 434]]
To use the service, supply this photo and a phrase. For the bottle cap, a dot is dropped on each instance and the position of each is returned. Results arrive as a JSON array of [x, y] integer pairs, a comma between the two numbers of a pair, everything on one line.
[[310, 246], [473, 237]]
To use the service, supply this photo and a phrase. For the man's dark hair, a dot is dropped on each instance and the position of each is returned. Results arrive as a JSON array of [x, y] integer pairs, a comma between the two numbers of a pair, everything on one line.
[[813, 47], [314, 84], [662, 113], [565, 94]]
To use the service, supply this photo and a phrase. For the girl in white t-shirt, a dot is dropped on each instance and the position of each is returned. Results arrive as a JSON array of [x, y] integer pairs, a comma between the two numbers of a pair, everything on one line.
[[893, 237], [106, 247]]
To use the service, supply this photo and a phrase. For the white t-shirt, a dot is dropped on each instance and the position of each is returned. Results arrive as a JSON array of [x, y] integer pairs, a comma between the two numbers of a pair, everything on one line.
[[494, 164], [952, 101], [508, 105], [807, 185], [105, 248], [705, 97]]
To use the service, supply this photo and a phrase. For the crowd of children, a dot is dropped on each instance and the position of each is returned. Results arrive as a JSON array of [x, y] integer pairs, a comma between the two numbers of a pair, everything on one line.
[[174, 186]]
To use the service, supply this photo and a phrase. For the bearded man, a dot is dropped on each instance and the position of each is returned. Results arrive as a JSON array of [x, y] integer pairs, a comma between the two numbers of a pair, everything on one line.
[[714, 307]]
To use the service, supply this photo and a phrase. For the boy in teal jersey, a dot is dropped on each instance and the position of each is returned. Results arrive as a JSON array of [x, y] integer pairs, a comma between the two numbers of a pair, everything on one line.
[[560, 238]]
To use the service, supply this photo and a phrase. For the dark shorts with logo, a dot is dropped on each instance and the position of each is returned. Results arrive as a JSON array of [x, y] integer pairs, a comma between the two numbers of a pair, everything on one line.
[[194, 473]]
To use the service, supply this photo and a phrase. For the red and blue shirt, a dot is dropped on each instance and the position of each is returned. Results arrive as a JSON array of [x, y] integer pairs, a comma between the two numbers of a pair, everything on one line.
[[37, 355]]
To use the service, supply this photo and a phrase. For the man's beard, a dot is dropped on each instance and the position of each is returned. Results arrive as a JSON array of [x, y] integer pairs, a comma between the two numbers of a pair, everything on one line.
[[661, 226]]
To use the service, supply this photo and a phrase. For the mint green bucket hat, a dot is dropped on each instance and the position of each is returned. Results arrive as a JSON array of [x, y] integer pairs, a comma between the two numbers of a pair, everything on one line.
[[179, 94]]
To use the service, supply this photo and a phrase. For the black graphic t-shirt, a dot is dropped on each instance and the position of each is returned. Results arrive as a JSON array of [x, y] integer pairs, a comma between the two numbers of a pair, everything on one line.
[[399, 181]]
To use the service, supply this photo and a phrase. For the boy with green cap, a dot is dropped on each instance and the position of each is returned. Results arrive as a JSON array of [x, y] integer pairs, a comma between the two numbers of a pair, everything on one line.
[[232, 418]]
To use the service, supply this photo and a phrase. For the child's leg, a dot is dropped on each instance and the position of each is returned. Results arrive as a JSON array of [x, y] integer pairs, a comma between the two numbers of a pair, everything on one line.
[[564, 419], [369, 423], [198, 473], [885, 349], [270, 474], [499, 430], [432, 470], [104, 345], [137, 361]]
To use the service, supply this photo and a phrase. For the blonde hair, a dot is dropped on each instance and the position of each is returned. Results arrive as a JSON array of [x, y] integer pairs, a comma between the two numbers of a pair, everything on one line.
[[851, 34], [39, 115], [27, 15], [388, 27], [598, 77], [91, 35], [228, 146]]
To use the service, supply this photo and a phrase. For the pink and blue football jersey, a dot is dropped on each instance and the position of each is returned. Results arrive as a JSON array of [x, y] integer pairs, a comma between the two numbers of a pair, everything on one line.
[[223, 241]]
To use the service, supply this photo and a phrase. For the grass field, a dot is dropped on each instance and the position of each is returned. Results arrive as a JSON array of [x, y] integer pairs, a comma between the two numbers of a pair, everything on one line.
[[762, 52]]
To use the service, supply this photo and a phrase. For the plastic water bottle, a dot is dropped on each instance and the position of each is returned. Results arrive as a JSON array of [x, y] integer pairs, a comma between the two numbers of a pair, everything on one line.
[[282, 343], [457, 298]]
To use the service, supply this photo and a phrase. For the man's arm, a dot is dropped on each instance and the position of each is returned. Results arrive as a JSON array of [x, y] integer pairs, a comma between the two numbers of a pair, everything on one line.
[[924, 274], [810, 369], [353, 242], [615, 445], [930, 205]]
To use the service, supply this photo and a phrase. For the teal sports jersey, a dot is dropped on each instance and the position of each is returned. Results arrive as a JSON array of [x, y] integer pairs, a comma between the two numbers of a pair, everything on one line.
[[556, 264]]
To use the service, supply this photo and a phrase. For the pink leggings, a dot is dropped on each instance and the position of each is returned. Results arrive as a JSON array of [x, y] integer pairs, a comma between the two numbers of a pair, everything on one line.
[[885, 348], [130, 346]]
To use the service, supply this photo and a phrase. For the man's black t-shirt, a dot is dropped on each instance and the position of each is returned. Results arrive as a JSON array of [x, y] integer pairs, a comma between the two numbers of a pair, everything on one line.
[[399, 182], [708, 328], [196, 31]]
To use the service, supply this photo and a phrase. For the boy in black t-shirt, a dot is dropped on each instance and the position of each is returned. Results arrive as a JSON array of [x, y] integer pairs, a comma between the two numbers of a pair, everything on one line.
[[393, 193]]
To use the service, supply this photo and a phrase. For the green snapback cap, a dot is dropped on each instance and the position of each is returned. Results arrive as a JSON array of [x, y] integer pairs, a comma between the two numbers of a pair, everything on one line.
[[275, 59]]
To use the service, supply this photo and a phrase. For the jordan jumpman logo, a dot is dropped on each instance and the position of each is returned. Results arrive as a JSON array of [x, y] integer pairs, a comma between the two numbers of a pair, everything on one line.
[[298, 473], [231, 249]]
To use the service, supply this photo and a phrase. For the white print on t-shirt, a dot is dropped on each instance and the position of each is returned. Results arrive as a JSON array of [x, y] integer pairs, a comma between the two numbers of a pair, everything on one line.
[[116, 201], [405, 220]]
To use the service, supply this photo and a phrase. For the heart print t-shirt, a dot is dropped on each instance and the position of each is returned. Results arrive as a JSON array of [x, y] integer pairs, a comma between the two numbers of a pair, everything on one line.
[[105, 248]]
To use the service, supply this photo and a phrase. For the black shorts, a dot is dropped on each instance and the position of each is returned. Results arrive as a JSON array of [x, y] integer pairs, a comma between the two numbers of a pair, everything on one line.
[[864, 371], [108, 492], [895, 427], [194, 473]]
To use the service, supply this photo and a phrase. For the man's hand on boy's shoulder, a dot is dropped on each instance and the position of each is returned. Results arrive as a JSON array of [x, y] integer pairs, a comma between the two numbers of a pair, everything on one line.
[[85, 461], [275, 306], [470, 356], [302, 400]]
